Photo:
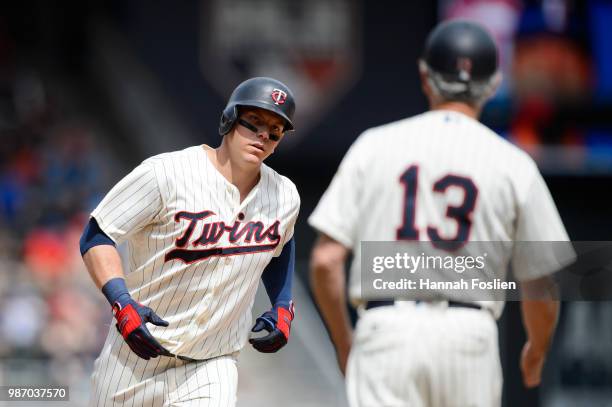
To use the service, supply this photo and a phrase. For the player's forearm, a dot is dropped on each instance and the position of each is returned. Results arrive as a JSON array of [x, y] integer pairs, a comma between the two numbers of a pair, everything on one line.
[[328, 285], [278, 276], [540, 320], [103, 264]]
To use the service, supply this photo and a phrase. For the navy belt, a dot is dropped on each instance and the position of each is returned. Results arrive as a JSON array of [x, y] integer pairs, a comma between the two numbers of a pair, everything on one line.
[[183, 358], [455, 304]]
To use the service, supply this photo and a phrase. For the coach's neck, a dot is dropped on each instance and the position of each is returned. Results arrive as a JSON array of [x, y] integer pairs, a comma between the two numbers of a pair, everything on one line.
[[437, 102], [466, 109]]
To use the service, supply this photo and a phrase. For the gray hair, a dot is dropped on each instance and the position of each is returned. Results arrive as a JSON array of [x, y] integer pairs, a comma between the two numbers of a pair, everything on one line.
[[471, 92]]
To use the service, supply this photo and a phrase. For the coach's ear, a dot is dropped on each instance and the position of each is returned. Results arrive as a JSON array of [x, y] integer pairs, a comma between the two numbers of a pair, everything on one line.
[[425, 86], [494, 84]]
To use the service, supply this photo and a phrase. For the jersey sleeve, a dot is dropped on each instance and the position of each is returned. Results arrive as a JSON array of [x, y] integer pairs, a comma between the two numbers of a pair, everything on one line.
[[291, 220], [336, 214], [278, 276], [131, 204], [541, 245]]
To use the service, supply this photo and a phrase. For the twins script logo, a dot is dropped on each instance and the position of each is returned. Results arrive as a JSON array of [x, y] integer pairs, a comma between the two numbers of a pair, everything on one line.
[[264, 239]]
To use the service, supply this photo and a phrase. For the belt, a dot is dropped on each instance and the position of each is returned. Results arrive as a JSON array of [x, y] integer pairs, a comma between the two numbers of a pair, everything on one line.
[[183, 358], [454, 304]]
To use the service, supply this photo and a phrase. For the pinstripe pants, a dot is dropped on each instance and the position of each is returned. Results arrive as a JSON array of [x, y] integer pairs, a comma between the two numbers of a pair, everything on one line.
[[424, 355], [121, 378]]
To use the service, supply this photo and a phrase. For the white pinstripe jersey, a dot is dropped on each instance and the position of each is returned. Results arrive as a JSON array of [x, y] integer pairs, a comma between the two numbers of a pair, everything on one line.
[[440, 174], [196, 253]]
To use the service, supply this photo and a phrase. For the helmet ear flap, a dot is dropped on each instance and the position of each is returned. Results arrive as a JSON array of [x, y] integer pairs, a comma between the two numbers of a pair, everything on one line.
[[228, 118]]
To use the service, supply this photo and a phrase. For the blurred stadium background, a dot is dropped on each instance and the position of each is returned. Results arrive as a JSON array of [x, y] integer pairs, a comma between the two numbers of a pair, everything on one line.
[[88, 89]]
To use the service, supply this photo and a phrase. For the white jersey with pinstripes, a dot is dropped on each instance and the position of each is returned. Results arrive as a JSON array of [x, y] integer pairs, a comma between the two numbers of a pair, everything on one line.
[[196, 252], [420, 175]]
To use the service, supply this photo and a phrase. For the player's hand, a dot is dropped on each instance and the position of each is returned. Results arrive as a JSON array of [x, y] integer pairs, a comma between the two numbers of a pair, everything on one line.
[[278, 324], [532, 362], [131, 319]]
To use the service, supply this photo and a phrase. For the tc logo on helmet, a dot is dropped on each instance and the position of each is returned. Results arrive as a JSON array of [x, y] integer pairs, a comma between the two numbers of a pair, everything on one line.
[[278, 96]]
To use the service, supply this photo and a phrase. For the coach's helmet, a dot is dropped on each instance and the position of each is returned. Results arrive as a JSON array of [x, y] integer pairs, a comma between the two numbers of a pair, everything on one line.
[[262, 92], [461, 61]]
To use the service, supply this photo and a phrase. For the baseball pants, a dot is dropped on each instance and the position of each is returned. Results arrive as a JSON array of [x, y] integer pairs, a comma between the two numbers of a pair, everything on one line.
[[121, 378], [424, 355]]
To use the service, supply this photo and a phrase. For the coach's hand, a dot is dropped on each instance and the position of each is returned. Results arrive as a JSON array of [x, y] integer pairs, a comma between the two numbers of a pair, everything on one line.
[[131, 319], [278, 324], [532, 362]]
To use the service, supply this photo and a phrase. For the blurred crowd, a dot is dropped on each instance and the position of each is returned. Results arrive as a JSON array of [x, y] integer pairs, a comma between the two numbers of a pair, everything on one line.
[[50, 177], [553, 67]]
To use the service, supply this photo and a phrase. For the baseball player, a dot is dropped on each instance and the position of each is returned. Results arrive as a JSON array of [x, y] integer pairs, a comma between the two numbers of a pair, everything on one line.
[[202, 226], [437, 177]]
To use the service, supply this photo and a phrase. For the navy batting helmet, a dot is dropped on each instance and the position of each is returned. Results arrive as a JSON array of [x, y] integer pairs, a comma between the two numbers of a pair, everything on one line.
[[461, 51], [265, 93]]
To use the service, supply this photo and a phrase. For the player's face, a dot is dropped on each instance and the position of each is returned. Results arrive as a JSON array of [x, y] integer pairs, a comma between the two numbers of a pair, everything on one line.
[[257, 133]]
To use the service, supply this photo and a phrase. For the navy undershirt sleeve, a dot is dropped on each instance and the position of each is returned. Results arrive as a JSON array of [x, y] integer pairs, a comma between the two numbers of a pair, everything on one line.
[[278, 275], [93, 236]]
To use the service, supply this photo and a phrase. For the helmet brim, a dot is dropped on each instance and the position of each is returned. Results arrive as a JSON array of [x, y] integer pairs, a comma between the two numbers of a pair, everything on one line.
[[270, 107]]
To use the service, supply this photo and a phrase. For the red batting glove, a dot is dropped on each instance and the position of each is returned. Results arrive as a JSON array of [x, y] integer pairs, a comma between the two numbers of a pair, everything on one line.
[[277, 322], [131, 323]]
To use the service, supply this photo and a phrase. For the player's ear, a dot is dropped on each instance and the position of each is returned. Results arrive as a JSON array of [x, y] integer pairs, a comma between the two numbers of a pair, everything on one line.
[[225, 140]]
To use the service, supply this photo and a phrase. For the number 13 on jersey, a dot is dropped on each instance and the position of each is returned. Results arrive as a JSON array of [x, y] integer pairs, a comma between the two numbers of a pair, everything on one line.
[[461, 213]]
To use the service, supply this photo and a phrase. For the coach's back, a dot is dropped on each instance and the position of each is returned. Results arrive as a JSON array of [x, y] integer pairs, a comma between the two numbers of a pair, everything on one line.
[[443, 177]]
